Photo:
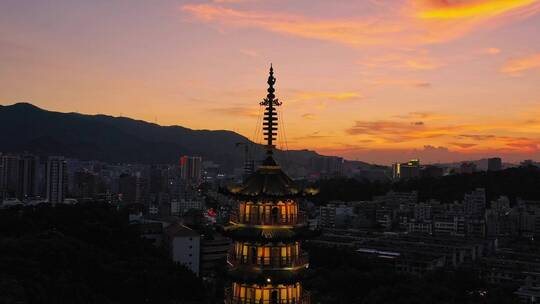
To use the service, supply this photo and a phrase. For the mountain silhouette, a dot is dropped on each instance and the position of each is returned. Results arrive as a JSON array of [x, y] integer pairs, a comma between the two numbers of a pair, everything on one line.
[[25, 127]]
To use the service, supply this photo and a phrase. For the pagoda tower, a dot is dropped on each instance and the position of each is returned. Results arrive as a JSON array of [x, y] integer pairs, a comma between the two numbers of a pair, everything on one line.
[[266, 261]]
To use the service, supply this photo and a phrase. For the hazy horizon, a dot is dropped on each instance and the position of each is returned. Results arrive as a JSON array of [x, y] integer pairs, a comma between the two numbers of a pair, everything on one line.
[[402, 158]]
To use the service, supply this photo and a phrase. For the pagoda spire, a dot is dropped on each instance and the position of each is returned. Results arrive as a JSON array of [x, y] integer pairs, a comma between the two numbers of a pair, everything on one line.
[[270, 115]]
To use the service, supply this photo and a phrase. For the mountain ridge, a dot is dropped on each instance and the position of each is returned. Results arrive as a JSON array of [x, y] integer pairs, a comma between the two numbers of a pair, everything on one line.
[[121, 139]]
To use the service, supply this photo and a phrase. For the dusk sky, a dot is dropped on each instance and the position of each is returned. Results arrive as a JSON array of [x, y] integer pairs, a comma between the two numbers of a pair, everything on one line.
[[373, 80]]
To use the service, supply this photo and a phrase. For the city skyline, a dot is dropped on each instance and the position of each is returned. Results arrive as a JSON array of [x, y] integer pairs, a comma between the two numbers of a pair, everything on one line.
[[459, 84]]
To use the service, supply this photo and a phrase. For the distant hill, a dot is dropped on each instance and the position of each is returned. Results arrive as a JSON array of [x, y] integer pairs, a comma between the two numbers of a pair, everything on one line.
[[481, 164], [25, 127]]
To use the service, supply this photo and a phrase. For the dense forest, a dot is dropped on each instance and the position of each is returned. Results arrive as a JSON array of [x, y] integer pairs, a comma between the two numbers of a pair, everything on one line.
[[340, 276], [522, 182], [85, 254]]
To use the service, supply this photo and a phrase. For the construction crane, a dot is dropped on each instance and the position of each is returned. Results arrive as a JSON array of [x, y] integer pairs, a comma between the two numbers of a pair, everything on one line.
[[249, 164]]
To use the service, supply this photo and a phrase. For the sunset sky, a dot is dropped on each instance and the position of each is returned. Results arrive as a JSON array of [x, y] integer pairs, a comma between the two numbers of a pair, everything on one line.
[[373, 80]]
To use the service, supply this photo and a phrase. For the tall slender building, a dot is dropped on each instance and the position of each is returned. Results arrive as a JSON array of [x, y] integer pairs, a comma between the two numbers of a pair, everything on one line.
[[191, 169], [28, 170], [9, 176], [266, 261], [56, 179], [18, 174]]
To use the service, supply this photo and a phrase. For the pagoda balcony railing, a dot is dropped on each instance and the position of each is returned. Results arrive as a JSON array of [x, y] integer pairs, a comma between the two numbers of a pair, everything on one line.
[[255, 219], [305, 298], [269, 262]]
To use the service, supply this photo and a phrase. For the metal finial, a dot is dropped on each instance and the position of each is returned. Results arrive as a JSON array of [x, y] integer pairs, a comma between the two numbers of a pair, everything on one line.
[[270, 115]]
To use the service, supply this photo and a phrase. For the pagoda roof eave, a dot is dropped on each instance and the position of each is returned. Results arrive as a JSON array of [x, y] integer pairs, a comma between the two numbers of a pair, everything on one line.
[[269, 234]]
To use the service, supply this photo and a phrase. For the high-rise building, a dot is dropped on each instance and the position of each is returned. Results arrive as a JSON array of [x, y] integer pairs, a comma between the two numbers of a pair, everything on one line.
[[28, 176], [85, 184], [475, 202], [132, 188], [494, 164], [327, 166], [181, 206], [502, 204], [127, 188], [408, 170], [267, 229], [9, 176], [467, 168], [422, 212], [56, 177], [335, 216], [184, 246], [191, 169], [158, 177], [18, 176]]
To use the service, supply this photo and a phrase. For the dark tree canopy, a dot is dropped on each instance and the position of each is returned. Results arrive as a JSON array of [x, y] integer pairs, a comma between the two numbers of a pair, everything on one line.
[[85, 254], [349, 189], [341, 276], [522, 182]]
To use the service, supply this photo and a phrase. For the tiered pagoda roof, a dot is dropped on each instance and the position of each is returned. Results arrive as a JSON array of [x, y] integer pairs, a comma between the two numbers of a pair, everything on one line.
[[268, 181]]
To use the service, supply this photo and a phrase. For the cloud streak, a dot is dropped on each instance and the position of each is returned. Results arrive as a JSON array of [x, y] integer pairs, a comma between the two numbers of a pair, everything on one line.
[[353, 32], [238, 111], [414, 62], [326, 96], [460, 136], [416, 21], [517, 66], [392, 131]]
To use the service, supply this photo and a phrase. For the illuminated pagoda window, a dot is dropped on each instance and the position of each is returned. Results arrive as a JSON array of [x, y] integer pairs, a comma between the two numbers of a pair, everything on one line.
[[266, 261]]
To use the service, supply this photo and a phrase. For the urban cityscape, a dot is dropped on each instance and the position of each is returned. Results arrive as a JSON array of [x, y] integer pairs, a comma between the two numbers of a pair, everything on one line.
[[264, 195]]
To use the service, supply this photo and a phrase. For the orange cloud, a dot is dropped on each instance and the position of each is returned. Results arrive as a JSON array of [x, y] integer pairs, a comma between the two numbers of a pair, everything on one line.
[[330, 96], [519, 65], [416, 64], [415, 22], [355, 32], [309, 116], [490, 51], [402, 82], [314, 135], [249, 53], [477, 136], [425, 116], [521, 144], [392, 131], [427, 154], [415, 130], [460, 9], [402, 61], [464, 145], [250, 112]]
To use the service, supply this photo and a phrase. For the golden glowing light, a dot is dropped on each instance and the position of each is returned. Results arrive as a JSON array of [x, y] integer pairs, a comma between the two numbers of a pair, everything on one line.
[[469, 9]]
